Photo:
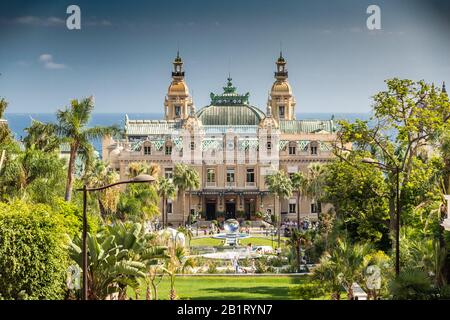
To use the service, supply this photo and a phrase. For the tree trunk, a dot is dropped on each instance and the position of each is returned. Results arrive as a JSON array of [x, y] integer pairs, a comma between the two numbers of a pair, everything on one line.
[[279, 224], [163, 219], [102, 208], [155, 290], [148, 293], [183, 202], [298, 210], [392, 214], [189, 206], [299, 256], [70, 170], [172, 293], [167, 214]]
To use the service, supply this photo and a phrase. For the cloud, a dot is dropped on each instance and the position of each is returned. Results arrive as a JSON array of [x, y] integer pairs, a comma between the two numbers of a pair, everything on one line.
[[52, 21], [39, 21], [97, 23], [47, 60]]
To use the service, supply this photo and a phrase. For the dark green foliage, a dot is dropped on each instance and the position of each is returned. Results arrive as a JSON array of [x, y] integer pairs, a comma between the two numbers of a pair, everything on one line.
[[308, 291], [358, 194], [412, 285], [33, 252]]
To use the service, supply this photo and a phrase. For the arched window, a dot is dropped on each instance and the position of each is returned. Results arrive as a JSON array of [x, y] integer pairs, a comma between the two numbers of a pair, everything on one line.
[[314, 148], [147, 148], [292, 148], [168, 148]]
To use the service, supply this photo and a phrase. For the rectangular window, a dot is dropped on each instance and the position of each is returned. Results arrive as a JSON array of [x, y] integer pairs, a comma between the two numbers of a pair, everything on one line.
[[281, 111], [169, 207], [314, 150], [316, 207], [177, 111], [251, 175], [211, 175], [147, 150], [168, 173], [168, 150], [192, 146], [292, 150], [269, 145], [292, 207], [230, 175]]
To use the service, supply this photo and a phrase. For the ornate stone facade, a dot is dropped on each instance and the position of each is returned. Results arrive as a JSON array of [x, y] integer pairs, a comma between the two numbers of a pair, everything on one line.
[[232, 144]]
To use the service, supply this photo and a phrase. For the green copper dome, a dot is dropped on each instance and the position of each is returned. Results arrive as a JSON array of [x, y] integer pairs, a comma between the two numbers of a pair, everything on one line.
[[230, 109]]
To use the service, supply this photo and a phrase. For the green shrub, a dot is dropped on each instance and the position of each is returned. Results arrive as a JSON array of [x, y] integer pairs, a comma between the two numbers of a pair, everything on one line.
[[412, 284], [212, 267], [308, 291], [73, 218], [33, 252]]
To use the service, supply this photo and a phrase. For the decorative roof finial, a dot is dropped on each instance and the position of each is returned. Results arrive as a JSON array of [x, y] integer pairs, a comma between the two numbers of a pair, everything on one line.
[[178, 58], [192, 113], [269, 110]]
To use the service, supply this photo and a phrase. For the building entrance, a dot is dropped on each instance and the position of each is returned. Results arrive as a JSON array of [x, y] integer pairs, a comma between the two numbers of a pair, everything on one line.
[[230, 210], [211, 211]]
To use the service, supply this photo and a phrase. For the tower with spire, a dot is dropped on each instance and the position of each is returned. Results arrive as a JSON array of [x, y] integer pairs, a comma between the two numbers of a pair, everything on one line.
[[177, 103], [281, 99]]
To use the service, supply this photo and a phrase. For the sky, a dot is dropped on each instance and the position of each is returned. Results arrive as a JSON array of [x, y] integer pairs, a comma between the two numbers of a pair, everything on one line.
[[124, 51]]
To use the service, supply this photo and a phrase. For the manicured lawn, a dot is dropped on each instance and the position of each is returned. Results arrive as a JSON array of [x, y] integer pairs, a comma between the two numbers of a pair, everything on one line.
[[232, 287], [256, 241]]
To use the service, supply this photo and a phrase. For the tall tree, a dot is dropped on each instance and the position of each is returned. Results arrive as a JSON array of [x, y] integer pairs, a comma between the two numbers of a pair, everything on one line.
[[316, 182], [42, 136], [280, 186], [72, 127], [98, 175], [408, 116], [299, 185], [3, 106], [33, 174], [166, 190], [185, 178], [358, 195]]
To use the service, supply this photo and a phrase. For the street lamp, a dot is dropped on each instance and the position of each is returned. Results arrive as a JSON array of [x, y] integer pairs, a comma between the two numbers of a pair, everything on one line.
[[396, 171], [142, 178]]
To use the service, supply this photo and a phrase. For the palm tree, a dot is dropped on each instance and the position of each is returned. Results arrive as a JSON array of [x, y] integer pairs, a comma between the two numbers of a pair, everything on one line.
[[299, 184], [280, 186], [72, 128], [352, 259], [187, 232], [3, 106], [344, 265], [177, 262], [185, 178], [327, 272], [166, 190], [42, 136], [28, 168], [298, 240], [316, 181], [98, 175], [137, 168]]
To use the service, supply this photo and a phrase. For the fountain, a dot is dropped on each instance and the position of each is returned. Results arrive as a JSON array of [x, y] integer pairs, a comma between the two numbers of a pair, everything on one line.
[[231, 235], [231, 239]]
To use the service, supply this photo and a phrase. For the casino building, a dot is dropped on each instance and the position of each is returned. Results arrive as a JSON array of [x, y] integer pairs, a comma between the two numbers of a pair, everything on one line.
[[232, 144]]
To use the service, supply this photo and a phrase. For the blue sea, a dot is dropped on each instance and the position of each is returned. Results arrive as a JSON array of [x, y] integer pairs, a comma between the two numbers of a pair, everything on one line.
[[19, 121]]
